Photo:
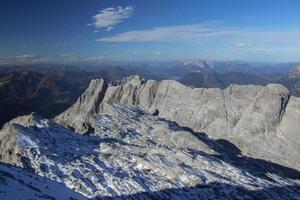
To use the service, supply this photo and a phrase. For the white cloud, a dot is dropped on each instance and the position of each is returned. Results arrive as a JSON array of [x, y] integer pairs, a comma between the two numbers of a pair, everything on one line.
[[194, 32], [244, 45], [63, 58], [76, 58], [108, 18], [212, 35], [25, 56], [248, 43]]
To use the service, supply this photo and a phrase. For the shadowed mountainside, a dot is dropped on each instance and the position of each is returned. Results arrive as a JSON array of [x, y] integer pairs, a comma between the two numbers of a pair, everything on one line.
[[217, 191]]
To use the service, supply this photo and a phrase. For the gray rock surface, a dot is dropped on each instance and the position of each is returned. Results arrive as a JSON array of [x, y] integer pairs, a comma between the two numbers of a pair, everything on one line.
[[261, 121], [8, 144], [132, 154], [79, 114]]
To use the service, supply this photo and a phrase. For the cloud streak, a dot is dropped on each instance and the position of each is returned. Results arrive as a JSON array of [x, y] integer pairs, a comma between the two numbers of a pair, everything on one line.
[[22, 59], [210, 35], [244, 45], [108, 18], [184, 33], [27, 59]]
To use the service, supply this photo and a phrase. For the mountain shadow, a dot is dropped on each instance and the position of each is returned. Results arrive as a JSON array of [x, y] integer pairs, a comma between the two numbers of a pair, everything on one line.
[[231, 154], [216, 191]]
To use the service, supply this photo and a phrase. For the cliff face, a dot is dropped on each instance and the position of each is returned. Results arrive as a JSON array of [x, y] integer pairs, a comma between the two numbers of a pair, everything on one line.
[[78, 115], [261, 121]]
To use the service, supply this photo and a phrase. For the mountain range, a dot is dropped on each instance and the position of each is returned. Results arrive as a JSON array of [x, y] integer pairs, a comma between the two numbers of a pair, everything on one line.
[[50, 89], [137, 138]]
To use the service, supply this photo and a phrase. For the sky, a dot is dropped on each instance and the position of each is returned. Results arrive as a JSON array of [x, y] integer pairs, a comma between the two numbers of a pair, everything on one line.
[[149, 30]]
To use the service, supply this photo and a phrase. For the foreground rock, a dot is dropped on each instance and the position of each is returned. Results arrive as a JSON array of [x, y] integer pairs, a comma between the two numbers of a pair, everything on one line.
[[133, 154], [262, 121]]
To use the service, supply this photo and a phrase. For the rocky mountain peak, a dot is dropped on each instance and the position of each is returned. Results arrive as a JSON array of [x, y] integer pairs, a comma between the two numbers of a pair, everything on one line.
[[87, 105], [133, 80], [252, 117]]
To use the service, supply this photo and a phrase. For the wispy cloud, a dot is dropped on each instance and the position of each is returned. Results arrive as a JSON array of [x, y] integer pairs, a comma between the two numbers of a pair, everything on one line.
[[158, 53], [108, 18], [243, 45], [70, 58], [210, 34], [22, 59], [63, 58], [183, 33], [24, 56]]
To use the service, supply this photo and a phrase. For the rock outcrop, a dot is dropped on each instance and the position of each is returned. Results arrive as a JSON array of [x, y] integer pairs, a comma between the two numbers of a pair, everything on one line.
[[258, 119], [8, 138], [78, 115]]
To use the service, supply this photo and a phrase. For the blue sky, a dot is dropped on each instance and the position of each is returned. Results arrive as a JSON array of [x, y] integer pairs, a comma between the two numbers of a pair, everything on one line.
[[111, 30]]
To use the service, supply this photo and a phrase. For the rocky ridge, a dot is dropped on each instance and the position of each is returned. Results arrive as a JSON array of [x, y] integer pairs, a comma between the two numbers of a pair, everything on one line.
[[132, 154], [261, 120]]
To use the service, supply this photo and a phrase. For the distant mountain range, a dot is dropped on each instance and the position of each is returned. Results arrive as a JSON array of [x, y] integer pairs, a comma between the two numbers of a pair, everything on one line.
[[220, 74], [208, 79], [50, 89]]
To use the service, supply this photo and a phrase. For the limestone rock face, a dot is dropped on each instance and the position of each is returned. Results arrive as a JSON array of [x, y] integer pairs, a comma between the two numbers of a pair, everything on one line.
[[259, 120], [290, 123], [8, 142], [78, 115]]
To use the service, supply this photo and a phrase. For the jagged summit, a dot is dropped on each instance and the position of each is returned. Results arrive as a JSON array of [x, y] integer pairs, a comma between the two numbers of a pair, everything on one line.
[[87, 105], [255, 118], [134, 80]]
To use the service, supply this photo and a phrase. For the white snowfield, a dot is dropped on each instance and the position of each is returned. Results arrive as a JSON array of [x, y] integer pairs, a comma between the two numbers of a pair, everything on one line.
[[130, 153]]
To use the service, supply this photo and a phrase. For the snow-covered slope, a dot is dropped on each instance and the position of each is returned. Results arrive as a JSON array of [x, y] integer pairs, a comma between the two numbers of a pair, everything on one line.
[[17, 183], [131, 153]]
